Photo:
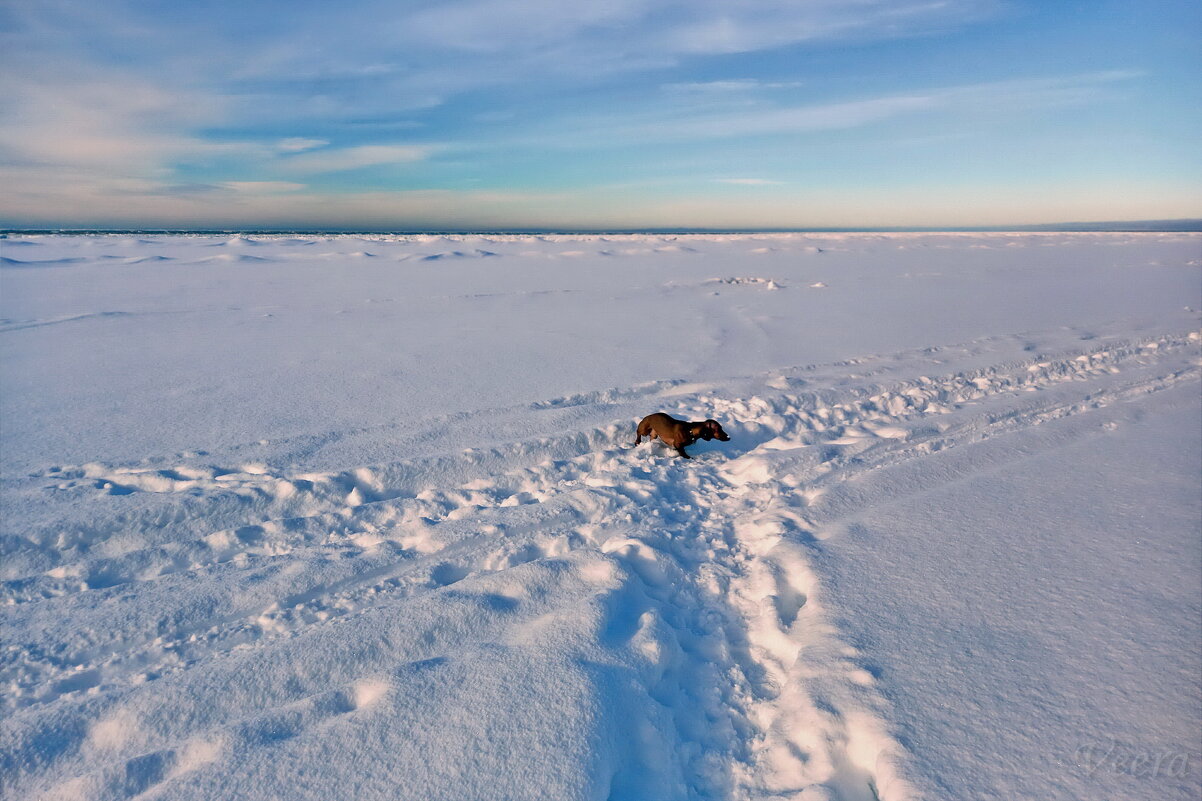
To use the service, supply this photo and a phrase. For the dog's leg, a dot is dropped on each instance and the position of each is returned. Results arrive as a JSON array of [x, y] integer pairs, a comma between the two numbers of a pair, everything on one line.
[[682, 453]]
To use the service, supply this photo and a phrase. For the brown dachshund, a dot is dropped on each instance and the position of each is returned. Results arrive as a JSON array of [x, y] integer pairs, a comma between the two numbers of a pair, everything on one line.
[[678, 433]]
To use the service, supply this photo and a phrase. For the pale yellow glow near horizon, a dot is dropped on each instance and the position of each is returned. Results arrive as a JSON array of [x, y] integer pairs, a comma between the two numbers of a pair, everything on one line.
[[775, 206]]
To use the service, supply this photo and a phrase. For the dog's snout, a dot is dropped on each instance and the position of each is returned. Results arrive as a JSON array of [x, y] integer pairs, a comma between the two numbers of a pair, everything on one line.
[[713, 430]]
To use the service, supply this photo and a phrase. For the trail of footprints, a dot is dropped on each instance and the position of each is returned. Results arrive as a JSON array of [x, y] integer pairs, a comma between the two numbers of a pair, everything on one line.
[[317, 509], [717, 546]]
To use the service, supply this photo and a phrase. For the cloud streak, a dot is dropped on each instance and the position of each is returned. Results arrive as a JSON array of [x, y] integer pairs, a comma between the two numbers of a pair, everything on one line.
[[295, 144], [709, 120], [352, 158]]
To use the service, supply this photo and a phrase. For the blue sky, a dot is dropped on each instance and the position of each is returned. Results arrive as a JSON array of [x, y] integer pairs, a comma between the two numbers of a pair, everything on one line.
[[619, 114]]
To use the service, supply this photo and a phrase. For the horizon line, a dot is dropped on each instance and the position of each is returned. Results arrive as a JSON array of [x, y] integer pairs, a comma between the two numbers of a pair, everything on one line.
[[1179, 225]]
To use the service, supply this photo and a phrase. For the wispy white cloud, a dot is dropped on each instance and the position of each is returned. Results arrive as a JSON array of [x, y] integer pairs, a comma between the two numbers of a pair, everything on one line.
[[262, 187], [114, 121], [295, 144], [508, 25], [350, 158], [735, 85], [801, 119], [106, 137], [708, 120], [715, 28], [678, 27]]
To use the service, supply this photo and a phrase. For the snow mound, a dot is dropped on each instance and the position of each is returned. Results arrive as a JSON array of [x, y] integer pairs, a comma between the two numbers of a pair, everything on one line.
[[766, 283]]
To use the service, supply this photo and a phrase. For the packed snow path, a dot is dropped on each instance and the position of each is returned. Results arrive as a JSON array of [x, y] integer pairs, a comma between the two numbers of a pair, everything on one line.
[[562, 616]]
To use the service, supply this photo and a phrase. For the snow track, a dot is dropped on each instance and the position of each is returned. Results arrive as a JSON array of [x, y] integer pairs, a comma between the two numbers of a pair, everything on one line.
[[681, 598]]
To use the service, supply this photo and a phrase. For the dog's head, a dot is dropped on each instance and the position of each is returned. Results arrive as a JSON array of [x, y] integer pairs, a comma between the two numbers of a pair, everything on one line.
[[711, 430]]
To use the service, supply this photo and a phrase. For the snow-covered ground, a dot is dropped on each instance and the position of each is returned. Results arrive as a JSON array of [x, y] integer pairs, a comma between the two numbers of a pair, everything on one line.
[[358, 517]]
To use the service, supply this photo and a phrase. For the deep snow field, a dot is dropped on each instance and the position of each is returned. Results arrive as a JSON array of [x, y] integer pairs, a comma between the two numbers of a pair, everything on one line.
[[327, 517]]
